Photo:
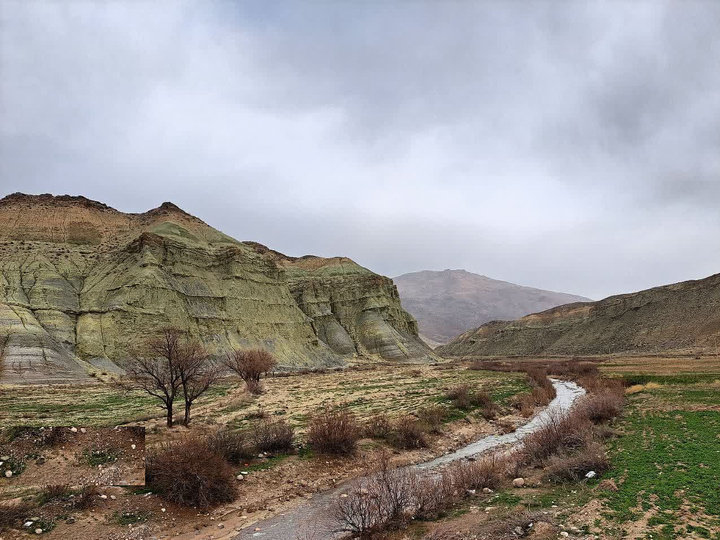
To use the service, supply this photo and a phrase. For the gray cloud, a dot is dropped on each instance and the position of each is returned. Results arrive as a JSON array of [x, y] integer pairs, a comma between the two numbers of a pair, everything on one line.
[[570, 146]]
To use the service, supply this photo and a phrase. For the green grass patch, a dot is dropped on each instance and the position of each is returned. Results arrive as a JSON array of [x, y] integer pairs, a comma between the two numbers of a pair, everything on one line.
[[129, 518], [99, 456]]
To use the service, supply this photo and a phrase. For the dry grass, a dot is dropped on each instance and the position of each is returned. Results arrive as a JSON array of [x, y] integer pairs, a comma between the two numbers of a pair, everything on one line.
[[12, 515], [574, 467], [272, 436], [408, 433], [233, 446]]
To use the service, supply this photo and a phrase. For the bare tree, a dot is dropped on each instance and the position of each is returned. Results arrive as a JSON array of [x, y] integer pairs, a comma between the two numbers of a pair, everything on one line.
[[197, 373], [159, 373], [250, 366]]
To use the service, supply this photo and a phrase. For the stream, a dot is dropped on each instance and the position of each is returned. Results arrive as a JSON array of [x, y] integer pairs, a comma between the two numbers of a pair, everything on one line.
[[291, 525]]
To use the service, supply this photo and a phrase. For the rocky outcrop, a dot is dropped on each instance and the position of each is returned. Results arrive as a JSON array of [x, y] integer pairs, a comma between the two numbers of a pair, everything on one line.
[[81, 281], [684, 317]]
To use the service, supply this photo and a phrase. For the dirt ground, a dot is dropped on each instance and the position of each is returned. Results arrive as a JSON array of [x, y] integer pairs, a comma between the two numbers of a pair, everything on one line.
[[275, 483], [80, 456]]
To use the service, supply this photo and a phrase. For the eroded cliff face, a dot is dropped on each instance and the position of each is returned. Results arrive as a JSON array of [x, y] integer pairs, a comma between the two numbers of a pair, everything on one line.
[[80, 281]]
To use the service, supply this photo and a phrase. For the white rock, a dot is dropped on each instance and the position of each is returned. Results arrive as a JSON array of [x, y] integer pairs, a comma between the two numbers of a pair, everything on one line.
[[564, 534], [162, 510], [244, 472], [519, 482], [240, 477], [113, 497], [487, 490], [591, 474], [73, 429], [27, 524], [132, 446], [83, 430], [103, 496], [38, 531], [8, 473]]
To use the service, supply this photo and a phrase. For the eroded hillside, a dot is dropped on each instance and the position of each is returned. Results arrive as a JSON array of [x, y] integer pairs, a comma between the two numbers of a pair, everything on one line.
[[680, 317], [80, 281]]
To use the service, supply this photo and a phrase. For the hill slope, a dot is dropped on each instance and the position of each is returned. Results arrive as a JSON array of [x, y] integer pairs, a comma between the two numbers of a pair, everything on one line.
[[684, 316], [450, 302], [82, 281]]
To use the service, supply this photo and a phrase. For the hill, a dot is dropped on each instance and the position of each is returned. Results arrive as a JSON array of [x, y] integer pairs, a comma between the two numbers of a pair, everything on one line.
[[680, 317], [82, 282], [450, 302]]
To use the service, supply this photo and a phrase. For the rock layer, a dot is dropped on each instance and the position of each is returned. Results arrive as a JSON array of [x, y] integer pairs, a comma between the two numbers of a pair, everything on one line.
[[683, 317], [81, 281]]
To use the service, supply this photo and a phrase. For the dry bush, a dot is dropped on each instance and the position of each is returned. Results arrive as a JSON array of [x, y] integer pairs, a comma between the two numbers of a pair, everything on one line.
[[433, 495], [463, 397], [54, 436], [559, 434], [378, 427], [250, 366], [433, 418], [86, 498], [12, 515], [487, 472], [602, 407], [571, 468], [407, 433], [51, 493], [333, 432], [191, 473], [380, 501], [272, 436], [233, 446]]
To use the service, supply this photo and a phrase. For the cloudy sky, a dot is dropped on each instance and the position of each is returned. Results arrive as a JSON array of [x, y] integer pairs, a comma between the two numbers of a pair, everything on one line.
[[569, 146]]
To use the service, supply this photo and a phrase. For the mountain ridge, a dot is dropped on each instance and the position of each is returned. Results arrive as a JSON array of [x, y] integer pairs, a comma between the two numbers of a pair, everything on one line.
[[447, 303]]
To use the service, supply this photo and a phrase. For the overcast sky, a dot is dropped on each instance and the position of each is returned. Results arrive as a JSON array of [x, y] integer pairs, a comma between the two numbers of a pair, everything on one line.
[[565, 145]]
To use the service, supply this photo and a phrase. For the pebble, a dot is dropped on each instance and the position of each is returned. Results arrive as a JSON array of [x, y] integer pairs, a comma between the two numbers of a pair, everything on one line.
[[38, 531], [132, 446], [73, 429], [221, 525], [8, 473], [240, 477], [103, 496], [113, 497], [83, 430], [487, 490], [518, 482]]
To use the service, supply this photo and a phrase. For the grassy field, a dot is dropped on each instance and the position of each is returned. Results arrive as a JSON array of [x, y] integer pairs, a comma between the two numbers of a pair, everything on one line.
[[382, 389]]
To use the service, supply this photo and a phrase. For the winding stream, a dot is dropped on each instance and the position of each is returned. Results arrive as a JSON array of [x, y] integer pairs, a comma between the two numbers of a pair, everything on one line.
[[290, 525]]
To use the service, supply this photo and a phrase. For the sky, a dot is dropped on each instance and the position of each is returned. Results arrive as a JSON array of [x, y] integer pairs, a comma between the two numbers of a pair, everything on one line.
[[571, 146]]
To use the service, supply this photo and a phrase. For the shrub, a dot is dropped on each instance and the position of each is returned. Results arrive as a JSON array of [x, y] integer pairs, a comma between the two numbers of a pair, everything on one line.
[[12, 515], [53, 493], [560, 433], [433, 418], [487, 472], [233, 446], [250, 366], [86, 498], [602, 407], [408, 433], [53, 436], [191, 473], [380, 501], [378, 427], [463, 398], [272, 436], [574, 467], [333, 432]]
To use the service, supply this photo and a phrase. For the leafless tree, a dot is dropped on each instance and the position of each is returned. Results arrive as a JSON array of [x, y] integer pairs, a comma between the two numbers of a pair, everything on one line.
[[158, 373], [197, 373], [250, 366]]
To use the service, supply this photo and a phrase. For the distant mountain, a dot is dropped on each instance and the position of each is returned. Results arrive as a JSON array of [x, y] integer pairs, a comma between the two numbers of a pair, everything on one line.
[[683, 317], [451, 302]]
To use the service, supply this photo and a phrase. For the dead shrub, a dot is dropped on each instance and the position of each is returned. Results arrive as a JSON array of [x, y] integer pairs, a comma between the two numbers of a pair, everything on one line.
[[433, 418], [463, 397], [574, 467], [487, 472], [333, 432], [13, 514], [191, 473], [378, 427], [378, 502], [86, 498], [272, 436], [54, 436], [408, 433], [52, 493], [602, 407], [233, 446], [560, 433]]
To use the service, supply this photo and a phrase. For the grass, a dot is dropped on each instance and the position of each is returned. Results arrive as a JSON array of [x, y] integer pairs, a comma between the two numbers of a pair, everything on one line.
[[99, 456], [129, 518], [668, 455]]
